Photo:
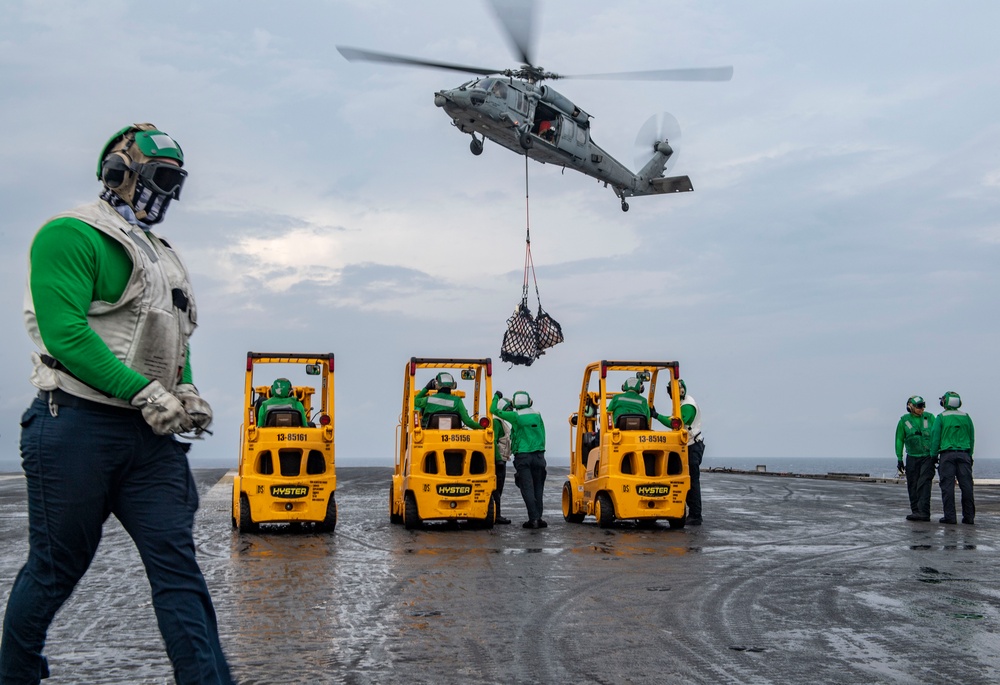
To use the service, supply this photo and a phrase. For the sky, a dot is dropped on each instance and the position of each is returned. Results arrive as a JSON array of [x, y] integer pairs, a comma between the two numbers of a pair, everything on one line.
[[838, 253]]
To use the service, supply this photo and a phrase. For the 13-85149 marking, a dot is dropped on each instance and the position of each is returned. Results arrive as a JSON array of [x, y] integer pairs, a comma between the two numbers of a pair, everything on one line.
[[652, 438]]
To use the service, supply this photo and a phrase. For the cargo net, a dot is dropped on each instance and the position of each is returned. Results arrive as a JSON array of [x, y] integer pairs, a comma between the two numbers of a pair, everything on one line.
[[528, 336]]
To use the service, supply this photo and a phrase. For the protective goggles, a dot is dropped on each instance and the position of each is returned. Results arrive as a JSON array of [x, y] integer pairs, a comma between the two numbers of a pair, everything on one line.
[[165, 179]]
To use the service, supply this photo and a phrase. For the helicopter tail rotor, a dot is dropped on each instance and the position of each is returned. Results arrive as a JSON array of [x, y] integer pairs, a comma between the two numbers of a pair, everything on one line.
[[660, 132]]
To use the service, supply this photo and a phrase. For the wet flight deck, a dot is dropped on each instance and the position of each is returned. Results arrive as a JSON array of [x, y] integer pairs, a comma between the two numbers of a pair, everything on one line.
[[788, 581]]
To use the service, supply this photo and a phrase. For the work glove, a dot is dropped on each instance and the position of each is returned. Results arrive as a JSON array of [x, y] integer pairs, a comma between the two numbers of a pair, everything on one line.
[[431, 384], [900, 468], [498, 394], [652, 413], [162, 411], [197, 408]]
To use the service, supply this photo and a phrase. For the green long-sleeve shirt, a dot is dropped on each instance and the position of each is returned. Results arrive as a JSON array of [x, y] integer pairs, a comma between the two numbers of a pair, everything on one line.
[[953, 431], [73, 265], [628, 402], [914, 433], [443, 402], [527, 430], [292, 402]]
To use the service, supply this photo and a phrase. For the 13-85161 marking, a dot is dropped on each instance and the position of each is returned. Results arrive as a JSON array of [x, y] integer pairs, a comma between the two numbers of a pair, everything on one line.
[[291, 437]]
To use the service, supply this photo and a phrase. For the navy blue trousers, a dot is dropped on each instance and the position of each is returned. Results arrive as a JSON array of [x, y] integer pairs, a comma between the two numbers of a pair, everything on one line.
[[80, 467], [696, 451], [954, 466], [501, 478], [530, 480], [919, 478]]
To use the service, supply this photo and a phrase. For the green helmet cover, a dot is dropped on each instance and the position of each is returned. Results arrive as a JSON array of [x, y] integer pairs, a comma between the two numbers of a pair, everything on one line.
[[152, 143], [951, 400], [521, 400], [282, 387], [445, 380], [633, 384]]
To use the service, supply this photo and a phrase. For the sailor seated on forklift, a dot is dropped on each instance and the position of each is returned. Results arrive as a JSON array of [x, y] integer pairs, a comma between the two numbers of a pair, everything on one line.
[[442, 403], [282, 408], [630, 406]]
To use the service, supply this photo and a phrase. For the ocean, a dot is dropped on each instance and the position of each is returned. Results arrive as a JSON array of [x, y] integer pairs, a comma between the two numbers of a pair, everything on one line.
[[882, 467]]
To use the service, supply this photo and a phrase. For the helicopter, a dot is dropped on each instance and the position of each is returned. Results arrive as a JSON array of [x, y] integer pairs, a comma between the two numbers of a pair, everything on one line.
[[513, 108]]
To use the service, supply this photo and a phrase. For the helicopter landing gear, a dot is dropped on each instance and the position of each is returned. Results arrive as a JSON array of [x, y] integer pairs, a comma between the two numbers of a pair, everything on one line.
[[525, 139], [624, 206], [476, 146]]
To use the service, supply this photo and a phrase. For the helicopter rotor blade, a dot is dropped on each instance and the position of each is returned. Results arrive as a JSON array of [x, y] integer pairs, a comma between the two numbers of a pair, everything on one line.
[[658, 128], [694, 74], [359, 55], [517, 18]]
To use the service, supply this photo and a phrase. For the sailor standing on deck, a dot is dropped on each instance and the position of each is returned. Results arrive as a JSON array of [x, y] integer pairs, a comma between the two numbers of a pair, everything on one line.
[[502, 453], [691, 416], [914, 433], [528, 445], [953, 439]]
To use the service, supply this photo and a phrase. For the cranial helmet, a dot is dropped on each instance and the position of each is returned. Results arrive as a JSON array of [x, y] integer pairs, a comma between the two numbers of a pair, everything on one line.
[[951, 400], [445, 380], [521, 400], [633, 384], [282, 387], [132, 166], [916, 401], [684, 390]]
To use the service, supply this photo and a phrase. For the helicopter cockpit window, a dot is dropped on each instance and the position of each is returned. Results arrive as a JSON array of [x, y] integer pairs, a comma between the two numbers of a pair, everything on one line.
[[516, 100], [581, 135], [499, 89]]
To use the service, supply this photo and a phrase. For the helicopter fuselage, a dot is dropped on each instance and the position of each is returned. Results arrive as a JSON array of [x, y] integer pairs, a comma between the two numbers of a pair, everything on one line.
[[539, 122]]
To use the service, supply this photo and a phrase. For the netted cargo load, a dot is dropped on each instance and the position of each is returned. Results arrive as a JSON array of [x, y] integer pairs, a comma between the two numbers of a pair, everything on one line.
[[520, 344]]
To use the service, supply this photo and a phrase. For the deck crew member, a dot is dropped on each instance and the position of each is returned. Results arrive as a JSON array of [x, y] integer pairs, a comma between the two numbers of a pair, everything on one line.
[[443, 401], [913, 432], [282, 398], [691, 416], [630, 401], [528, 446], [953, 440], [110, 307], [502, 453]]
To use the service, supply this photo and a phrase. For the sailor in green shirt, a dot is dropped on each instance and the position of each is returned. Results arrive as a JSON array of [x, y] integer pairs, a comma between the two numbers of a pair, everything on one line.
[[630, 401], [502, 452], [913, 432], [110, 309], [953, 440], [282, 398], [442, 402], [528, 445]]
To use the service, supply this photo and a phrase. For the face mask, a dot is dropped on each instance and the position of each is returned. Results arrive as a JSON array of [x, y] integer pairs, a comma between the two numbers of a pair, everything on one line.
[[150, 207]]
